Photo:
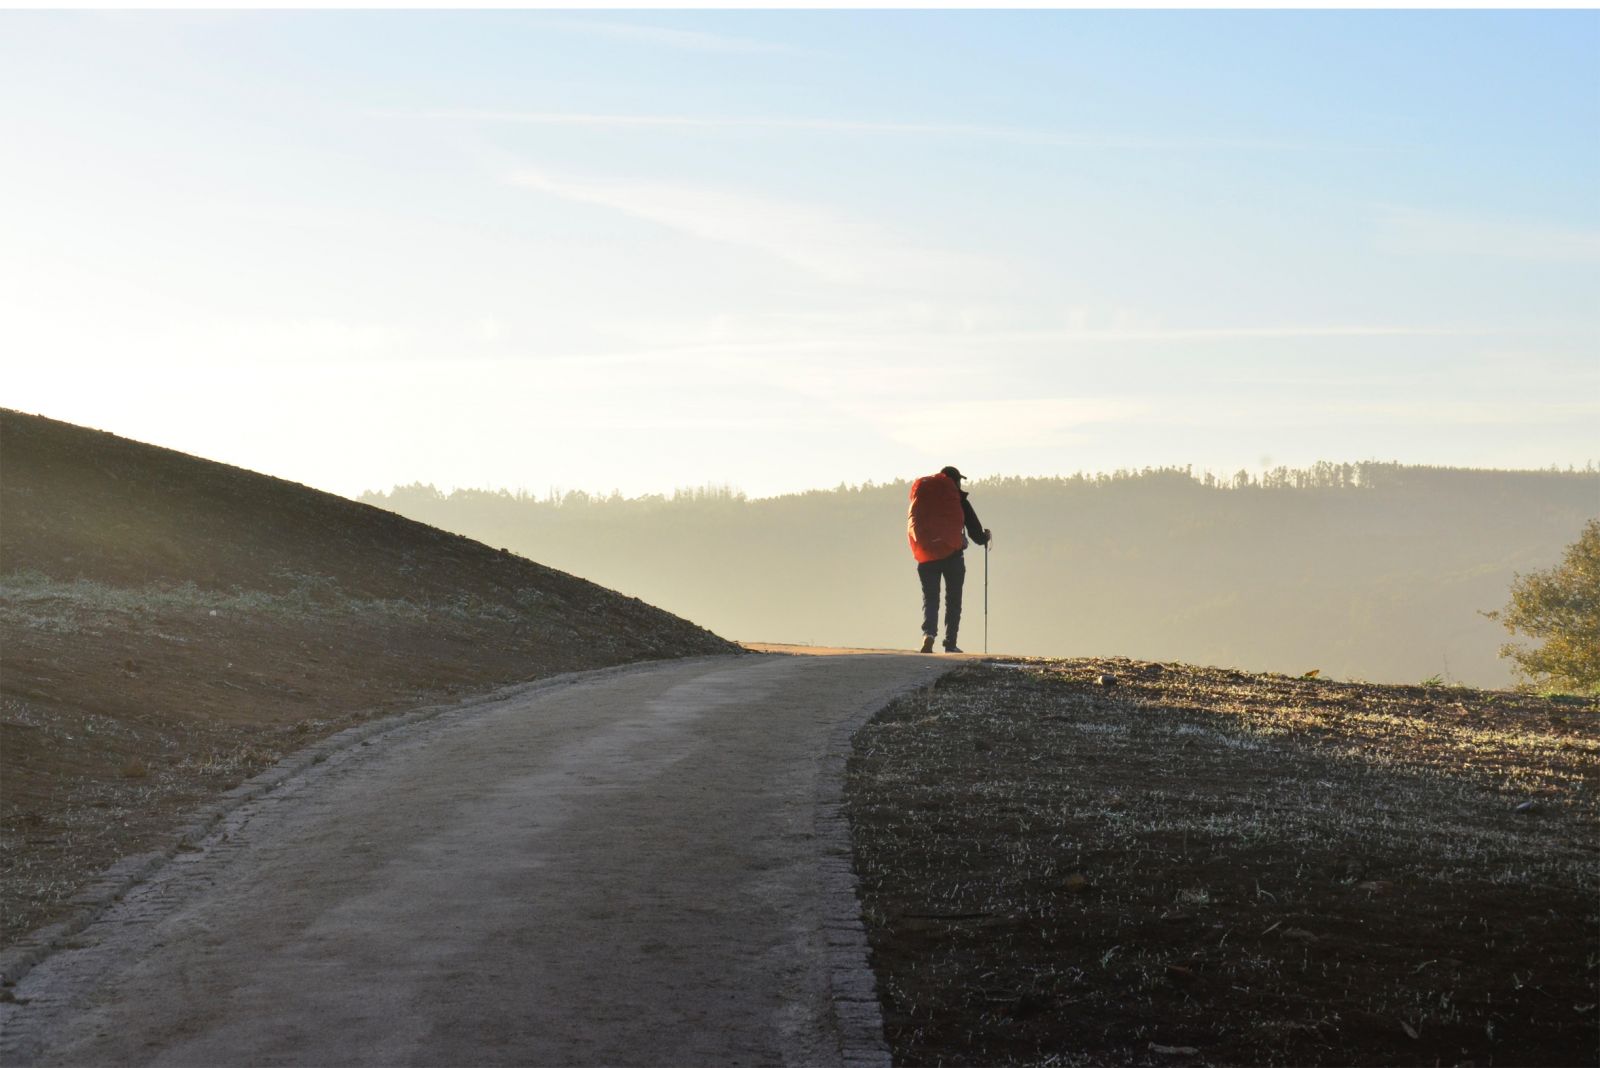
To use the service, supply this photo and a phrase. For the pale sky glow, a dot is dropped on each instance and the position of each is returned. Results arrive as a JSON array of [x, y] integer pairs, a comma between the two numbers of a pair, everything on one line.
[[787, 249]]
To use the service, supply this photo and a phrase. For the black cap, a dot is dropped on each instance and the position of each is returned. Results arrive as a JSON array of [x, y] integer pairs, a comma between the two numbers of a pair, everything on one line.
[[952, 472]]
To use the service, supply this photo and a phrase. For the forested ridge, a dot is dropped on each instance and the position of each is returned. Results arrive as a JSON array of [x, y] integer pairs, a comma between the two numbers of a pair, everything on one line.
[[1377, 571]]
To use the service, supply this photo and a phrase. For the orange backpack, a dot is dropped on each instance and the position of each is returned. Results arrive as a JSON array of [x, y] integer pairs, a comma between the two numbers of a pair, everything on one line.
[[935, 523]]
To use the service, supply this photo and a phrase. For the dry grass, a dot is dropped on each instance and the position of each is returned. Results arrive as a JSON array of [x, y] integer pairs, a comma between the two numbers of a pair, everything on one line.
[[37, 602], [1251, 869]]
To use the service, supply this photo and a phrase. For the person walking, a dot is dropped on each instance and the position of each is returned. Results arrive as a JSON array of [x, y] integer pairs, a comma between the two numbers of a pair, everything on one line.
[[939, 525]]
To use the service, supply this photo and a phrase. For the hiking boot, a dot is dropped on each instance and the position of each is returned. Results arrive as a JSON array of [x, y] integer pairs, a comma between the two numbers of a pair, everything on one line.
[[951, 649], [927, 643]]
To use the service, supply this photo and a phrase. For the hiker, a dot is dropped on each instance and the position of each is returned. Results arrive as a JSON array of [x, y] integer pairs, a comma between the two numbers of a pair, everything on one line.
[[939, 524]]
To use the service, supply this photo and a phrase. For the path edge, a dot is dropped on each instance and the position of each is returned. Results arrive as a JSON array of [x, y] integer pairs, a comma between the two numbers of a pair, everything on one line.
[[852, 985], [113, 884]]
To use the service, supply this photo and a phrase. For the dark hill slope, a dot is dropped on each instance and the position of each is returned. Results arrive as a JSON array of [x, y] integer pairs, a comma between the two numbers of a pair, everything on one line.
[[84, 504], [169, 625]]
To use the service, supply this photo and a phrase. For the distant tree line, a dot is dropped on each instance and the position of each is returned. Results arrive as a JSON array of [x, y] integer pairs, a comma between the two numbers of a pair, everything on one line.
[[1372, 570]]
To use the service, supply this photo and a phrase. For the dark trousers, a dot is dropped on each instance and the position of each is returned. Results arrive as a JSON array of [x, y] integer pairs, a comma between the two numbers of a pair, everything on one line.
[[954, 571]]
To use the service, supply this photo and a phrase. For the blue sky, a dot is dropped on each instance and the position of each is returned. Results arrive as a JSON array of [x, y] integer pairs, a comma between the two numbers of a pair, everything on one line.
[[787, 249]]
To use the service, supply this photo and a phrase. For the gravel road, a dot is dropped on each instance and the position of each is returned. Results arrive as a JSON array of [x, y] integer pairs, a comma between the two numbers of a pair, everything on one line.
[[630, 867]]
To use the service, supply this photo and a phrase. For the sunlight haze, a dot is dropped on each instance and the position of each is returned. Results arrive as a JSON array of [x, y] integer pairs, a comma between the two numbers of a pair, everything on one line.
[[780, 250]]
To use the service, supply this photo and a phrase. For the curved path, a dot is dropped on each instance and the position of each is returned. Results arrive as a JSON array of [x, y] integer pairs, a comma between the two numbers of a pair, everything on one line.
[[621, 868]]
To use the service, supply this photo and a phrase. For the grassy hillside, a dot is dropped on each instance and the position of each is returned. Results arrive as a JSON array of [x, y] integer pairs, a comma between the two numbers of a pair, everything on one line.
[[1192, 866], [172, 625], [1374, 571]]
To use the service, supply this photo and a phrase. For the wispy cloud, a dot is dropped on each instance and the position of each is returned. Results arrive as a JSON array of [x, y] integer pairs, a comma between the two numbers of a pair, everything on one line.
[[815, 239], [841, 338], [1414, 232], [875, 359], [1032, 422], [689, 40], [1222, 333], [595, 119], [1468, 412], [1017, 134]]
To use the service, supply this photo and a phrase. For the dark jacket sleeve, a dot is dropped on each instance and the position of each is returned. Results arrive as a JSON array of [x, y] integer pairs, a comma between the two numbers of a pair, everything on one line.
[[974, 528]]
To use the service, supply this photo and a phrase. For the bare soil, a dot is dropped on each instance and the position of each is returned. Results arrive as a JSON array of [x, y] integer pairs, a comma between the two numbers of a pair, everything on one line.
[[1197, 866], [170, 626]]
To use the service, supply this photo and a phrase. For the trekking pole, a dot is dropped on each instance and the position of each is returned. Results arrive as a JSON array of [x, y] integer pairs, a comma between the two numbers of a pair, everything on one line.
[[986, 598]]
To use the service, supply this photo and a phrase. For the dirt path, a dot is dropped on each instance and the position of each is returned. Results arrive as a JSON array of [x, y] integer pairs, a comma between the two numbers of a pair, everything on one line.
[[627, 869]]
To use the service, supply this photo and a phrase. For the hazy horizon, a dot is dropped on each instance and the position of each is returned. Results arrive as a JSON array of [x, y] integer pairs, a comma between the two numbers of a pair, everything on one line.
[[786, 249], [555, 492], [557, 489], [1372, 571]]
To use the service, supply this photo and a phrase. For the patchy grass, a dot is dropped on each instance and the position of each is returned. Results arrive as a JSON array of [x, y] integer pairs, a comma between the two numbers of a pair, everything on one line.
[[1196, 866], [36, 601]]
